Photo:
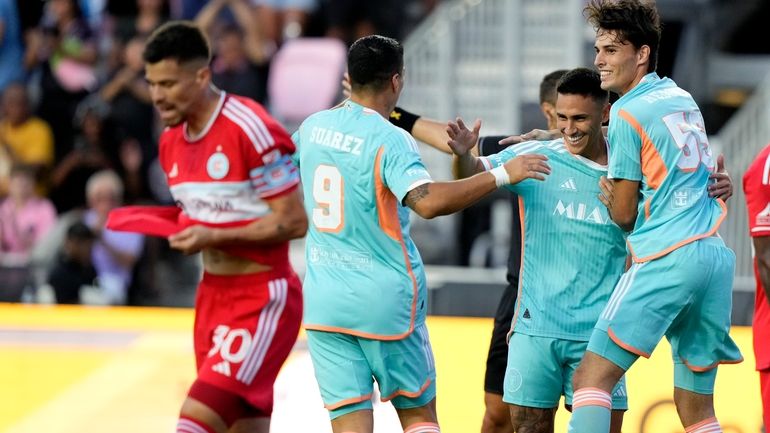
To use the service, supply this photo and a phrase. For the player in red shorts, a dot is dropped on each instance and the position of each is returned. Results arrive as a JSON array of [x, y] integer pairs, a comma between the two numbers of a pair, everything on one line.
[[756, 186], [228, 167]]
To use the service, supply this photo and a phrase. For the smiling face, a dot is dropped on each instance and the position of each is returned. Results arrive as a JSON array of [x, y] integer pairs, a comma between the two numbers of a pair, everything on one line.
[[621, 66], [176, 88], [579, 118]]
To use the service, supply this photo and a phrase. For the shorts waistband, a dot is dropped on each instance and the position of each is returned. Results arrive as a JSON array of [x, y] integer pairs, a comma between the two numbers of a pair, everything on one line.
[[240, 280]]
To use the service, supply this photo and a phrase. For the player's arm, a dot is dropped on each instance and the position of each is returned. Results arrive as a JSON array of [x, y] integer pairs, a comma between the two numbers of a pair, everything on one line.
[[286, 221], [434, 199], [462, 140], [722, 187], [762, 251], [621, 197]]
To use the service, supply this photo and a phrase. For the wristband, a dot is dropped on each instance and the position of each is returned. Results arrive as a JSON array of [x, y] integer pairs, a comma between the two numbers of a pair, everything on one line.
[[501, 176], [403, 119]]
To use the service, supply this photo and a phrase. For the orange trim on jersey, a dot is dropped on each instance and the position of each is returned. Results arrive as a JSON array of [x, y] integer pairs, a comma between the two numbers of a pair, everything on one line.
[[407, 393], [625, 346], [709, 233], [348, 401], [387, 211], [519, 291], [653, 167], [698, 369], [362, 334]]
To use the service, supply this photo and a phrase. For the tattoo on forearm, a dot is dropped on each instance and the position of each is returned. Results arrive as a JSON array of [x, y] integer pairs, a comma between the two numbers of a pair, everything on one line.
[[415, 195]]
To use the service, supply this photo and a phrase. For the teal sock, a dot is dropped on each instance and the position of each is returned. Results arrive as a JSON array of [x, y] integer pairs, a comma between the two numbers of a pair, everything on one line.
[[591, 408]]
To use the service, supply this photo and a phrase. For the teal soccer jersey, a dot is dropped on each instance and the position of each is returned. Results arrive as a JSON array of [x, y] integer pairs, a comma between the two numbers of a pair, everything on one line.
[[364, 274], [657, 137], [572, 253]]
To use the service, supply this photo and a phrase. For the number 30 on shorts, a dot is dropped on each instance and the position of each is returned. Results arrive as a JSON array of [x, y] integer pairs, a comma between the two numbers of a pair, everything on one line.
[[225, 339], [329, 199]]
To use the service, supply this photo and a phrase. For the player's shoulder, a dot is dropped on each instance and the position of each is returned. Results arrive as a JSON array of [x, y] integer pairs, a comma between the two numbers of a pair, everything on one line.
[[549, 147], [759, 169]]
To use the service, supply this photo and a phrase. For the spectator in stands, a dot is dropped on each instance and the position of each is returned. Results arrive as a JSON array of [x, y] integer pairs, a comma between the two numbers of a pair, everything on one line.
[[130, 107], [114, 253], [89, 155], [11, 45], [73, 268], [240, 57], [140, 20], [24, 220], [68, 55], [24, 138], [280, 20], [349, 20]]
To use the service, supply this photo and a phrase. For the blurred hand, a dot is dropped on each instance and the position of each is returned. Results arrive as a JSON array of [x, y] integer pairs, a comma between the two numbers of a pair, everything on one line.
[[462, 139], [530, 166], [535, 134], [192, 239], [723, 185]]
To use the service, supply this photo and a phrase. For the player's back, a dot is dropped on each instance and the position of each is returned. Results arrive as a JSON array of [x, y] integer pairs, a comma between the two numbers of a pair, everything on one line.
[[364, 274], [658, 137]]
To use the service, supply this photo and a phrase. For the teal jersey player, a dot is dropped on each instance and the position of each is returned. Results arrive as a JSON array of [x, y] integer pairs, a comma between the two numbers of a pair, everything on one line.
[[364, 275], [572, 253], [671, 159]]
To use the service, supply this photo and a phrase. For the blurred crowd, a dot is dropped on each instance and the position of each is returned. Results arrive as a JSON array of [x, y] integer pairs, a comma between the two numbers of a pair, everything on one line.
[[78, 131]]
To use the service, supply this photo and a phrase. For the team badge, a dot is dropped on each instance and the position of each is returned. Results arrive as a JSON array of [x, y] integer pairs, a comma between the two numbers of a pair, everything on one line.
[[218, 165]]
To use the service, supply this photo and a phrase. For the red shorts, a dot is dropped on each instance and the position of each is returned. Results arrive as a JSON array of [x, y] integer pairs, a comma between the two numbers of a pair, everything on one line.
[[245, 327], [764, 385]]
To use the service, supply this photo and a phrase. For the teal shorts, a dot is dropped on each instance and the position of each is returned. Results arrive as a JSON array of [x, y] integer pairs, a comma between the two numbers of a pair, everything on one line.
[[686, 296], [346, 367], [540, 371]]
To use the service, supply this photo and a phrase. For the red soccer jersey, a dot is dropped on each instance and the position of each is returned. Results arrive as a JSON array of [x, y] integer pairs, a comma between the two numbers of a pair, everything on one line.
[[756, 186], [223, 176]]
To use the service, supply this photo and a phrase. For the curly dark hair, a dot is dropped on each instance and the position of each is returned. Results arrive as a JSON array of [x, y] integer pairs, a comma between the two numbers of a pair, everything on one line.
[[633, 21]]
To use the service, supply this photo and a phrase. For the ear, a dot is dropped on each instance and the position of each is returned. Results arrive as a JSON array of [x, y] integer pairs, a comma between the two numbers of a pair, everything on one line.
[[203, 76], [643, 55], [395, 82]]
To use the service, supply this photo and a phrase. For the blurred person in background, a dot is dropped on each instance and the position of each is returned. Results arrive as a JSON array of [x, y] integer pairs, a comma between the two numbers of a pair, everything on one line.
[[280, 20], [66, 50], [73, 268], [756, 186], [25, 138], [114, 253], [11, 44], [240, 59], [25, 219]]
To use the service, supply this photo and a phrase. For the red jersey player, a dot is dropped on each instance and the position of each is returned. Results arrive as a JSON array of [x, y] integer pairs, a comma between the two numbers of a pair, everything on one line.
[[756, 186], [228, 167]]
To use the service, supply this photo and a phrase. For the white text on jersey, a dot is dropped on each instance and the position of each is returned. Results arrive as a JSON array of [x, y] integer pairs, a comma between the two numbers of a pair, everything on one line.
[[336, 140], [577, 211]]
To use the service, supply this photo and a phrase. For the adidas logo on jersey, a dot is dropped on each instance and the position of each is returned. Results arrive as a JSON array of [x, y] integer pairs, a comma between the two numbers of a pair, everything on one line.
[[763, 218], [569, 184], [222, 368]]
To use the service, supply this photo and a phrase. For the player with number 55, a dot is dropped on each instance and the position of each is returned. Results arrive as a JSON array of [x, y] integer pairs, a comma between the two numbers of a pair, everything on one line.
[[364, 290]]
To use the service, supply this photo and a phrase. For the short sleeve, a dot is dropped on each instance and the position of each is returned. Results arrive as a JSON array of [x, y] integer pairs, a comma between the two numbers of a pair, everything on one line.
[[625, 151], [756, 186], [295, 156], [401, 165]]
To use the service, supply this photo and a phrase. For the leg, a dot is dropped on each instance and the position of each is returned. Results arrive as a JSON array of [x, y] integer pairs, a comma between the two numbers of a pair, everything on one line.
[[497, 417], [251, 425], [616, 421], [692, 407], [592, 402], [421, 419], [360, 421], [531, 419], [201, 416], [764, 384]]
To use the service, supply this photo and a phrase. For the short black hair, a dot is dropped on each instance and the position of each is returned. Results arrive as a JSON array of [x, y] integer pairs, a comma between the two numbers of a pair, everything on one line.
[[548, 86], [182, 41], [373, 60], [634, 21], [585, 82], [80, 231]]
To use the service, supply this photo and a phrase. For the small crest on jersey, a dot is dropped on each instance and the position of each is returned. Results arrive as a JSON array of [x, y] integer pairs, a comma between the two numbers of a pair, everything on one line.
[[763, 218], [218, 165]]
